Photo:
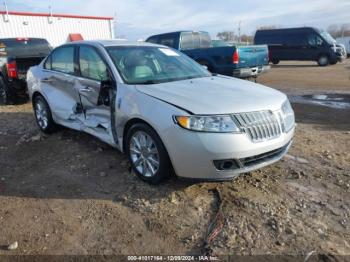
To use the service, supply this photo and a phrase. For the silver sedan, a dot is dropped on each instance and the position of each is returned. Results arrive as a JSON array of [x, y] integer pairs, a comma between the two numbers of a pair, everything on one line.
[[165, 111]]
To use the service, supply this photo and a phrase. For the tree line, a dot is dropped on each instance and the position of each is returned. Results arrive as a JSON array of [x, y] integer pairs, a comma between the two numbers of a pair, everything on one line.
[[335, 30]]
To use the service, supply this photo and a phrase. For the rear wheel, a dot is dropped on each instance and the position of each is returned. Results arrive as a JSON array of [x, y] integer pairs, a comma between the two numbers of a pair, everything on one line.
[[275, 61], [4, 93], [43, 115], [323, 60], [147, 154]]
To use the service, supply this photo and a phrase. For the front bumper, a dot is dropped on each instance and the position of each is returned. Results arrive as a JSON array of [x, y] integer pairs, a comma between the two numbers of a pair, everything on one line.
[[193, 154], [251, 72]]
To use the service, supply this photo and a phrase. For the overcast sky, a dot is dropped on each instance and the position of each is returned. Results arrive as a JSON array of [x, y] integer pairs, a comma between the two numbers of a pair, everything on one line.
[[137, 19]]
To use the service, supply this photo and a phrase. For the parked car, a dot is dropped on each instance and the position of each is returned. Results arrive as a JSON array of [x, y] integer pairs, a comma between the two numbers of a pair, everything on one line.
[[162, 109], [303, 44], [17, 55], [345, 41], [237, 61]]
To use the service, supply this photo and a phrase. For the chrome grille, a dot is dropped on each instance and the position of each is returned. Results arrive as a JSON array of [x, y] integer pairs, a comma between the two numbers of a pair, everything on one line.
[[260, 126]]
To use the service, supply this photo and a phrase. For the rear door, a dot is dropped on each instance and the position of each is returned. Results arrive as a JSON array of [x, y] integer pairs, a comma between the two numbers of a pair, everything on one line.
[[58, 82], [92, 70]]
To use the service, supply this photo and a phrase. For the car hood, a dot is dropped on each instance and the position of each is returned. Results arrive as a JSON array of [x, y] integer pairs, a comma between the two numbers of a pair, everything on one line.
[[216, 95]]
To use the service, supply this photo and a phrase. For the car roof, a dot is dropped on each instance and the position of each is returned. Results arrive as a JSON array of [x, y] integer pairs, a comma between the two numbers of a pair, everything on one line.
[[107, 43], [287, 29]]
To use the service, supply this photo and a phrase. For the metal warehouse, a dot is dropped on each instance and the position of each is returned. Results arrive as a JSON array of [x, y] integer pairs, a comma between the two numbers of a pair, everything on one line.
[[56, 28]]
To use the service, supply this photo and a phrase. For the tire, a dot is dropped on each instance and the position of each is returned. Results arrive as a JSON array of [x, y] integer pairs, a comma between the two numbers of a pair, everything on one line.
[[4, 93], [323, 60], [43, 115], [275, 61], [145, 149]]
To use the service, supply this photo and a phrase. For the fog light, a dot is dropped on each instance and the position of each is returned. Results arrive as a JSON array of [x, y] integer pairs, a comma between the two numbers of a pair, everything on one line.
[[226, 164]]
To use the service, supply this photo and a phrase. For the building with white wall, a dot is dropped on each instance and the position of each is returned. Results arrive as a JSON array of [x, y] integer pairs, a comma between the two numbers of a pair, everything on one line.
[[56, 28]]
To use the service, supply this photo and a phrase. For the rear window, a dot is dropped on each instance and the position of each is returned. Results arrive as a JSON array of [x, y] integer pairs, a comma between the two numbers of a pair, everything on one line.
[[25, 47], [193, 40]]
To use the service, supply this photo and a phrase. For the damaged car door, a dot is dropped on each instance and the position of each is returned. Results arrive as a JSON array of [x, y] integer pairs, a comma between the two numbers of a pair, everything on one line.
[[58, 82], [94, 100]]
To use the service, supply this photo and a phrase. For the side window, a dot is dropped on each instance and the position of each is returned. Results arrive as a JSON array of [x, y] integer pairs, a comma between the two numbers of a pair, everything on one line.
[[168, 40], [314, 40], [91, 64], [153, 40], [186, 41], [62, 60], [47, 64]]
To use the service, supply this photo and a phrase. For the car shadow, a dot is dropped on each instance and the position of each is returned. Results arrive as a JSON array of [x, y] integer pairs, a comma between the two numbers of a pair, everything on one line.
[[68, 165], [294, 66], [73, 165]]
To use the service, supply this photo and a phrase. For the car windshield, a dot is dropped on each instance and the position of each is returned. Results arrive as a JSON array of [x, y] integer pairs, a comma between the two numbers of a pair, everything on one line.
[[152, 65], [330, 40]]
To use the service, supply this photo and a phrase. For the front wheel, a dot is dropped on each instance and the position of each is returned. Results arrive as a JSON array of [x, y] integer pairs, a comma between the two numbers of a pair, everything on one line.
[[147, 154], [275, 61], [323, 60], [43, 115]]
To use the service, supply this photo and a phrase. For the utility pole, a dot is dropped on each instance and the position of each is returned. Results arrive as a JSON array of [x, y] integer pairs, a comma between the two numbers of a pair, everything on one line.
[[239, 32], [6, 19]]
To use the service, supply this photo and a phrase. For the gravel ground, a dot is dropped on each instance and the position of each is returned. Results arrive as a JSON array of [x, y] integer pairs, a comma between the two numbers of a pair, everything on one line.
[[70, 194]]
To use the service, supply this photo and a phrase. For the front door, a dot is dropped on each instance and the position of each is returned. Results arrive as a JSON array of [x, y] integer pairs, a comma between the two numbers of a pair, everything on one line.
[[93, 70]]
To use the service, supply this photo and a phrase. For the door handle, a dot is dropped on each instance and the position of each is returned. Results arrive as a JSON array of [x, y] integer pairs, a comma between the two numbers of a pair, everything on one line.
[[86, 90]]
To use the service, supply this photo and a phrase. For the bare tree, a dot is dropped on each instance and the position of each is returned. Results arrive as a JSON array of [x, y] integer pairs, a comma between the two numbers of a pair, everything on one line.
[[228, 36], [247, 39], [339, 30]]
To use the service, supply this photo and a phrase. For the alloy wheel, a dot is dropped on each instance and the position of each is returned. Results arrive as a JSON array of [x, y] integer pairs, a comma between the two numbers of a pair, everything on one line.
[[41, 114], [144, 154]]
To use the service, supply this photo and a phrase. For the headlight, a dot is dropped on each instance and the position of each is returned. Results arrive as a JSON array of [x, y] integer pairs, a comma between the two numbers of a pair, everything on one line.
[[288, 116], [213, 123]]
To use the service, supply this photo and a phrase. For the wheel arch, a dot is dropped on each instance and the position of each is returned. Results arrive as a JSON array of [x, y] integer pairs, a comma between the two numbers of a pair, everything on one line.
[[137, 120], [129, 124]]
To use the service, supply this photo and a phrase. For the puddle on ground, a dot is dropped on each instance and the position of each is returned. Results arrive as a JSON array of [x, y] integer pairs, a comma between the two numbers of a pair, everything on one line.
[[337, 101]]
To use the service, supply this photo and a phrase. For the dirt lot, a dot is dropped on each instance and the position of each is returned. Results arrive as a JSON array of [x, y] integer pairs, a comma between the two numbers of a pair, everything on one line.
[[69, 193]]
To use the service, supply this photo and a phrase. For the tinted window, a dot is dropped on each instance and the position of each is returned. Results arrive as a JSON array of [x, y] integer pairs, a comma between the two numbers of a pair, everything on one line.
[[91, 64], [168, 40], [281, 38], [62, 60], [314, 40], [186, 41], [153, 39]]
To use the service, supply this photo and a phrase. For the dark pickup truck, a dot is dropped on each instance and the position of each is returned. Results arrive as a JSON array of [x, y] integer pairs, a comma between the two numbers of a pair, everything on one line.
[[17, 55], [237, 61]]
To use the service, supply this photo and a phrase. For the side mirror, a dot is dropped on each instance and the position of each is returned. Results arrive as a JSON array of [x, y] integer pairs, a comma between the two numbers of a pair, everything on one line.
[[205, 67]]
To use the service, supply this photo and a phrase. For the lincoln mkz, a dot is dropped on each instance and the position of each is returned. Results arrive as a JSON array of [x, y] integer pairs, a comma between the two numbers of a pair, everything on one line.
[[161, 108]]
